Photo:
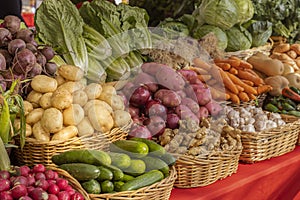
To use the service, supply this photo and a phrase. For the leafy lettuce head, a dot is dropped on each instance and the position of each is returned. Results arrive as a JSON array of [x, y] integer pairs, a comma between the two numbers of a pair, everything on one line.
[[239, 38]]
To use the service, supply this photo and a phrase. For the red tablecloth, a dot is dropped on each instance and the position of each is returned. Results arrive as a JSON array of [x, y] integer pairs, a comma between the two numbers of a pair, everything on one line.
[[274, 179]]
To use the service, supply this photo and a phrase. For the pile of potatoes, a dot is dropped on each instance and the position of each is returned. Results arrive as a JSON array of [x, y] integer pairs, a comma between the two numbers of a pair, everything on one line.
[[67, 106]]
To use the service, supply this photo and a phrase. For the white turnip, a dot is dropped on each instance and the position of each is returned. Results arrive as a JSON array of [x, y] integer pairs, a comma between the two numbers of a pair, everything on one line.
[[15, 46], [12, 23]]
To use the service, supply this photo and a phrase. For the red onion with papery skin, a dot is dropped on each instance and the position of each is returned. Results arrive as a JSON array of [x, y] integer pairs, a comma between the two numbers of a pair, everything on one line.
[[140, 131], [140, 96], [172, 121], [154, 107], [156, 125]]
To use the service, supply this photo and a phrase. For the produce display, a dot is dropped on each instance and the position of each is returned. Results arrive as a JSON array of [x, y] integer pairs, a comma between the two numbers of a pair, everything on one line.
[[129, 165], [35, 183], [66, 106]]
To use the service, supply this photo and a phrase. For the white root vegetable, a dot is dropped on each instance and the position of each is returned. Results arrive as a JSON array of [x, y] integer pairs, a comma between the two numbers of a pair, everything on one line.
[[28, 107], [73, 115], [121, 118], [66, 133], [108, 90], [45, 100], [39, 133], [80, 97], [71, 86], [92, 103], [71, 72], [52, 120], [43, 84], [100, 119], [115, 101], [34, 98], [93, 90], [34, 116], [61, 99], [60, 80], [85, 127]]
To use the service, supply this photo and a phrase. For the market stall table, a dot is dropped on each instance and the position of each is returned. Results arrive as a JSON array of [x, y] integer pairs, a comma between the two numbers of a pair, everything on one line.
[[274, 179]]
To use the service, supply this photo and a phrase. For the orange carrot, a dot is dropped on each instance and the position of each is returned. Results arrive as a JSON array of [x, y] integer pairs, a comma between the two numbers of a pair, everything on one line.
[[198, 70], [218, 95], [243, 74], [224, 66], [201, 63], [233, 70], [238, 81], [263, 89], [233, 97], [232, 62], [243, 96], [228, 82], [245, 64], [251, 96], [204, 78], [240, 88], [250, 83]]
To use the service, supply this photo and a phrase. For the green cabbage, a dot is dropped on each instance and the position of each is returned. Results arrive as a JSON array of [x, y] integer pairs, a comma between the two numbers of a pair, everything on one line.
[[201, 31], [238, 39], [245, 10], [261, 31], [220, 13]]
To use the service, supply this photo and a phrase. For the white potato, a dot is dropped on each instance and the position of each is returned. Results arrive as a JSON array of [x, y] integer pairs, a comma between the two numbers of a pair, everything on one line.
[[60, 80], [61, 99], [85, 127], [28, 107], [92, 103], [80, 97], [52, 120], [34, 116], [43, 84], [45, 100], [73, 114], [121, 118], [108, 90], [115, 101], [71, 86], [39, 133], [70, 72], [34, 98], [65, 133], [100, 119], [17, 126], [93, 90]]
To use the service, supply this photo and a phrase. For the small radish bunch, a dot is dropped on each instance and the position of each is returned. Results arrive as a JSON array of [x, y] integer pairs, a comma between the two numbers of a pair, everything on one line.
[[37, 183]]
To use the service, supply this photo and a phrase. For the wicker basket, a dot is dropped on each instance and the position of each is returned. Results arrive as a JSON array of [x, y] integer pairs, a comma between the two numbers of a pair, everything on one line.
[[196, 172], [258, 146], [158, 191], [36, 152], [72, 181], [290, 119]]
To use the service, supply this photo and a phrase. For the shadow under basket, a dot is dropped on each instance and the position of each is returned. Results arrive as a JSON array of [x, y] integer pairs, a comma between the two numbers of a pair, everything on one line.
[[36, 152], [157, 191], [203, 171], [258, 146]]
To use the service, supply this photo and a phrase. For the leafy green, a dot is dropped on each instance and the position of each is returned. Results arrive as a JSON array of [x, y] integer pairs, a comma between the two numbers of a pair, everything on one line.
[[260, 32], [4, 161], [245, 10], [58, 23], [238, 39], [173, 28]]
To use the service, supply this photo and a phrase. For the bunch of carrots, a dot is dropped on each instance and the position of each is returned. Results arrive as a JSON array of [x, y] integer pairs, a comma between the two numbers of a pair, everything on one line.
[[230, 79]]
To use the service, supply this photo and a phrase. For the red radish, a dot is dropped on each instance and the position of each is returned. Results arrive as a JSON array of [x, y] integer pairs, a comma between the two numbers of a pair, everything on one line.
[[30, 189], [140, 96], [6, 195], [140, 131], [203, 112], [18, 191], [213, 107], [51, 181], [38, 194], [25, 198], [42, 183], [4, 174], [20, 180], [52, 197], [30, 180], [77, 196], [39, 175], [62, 183], [156, 125], [4, 185], [23, 170], [172, 121], [53, 189], [70, 190], [63, 195], [49, 174], [133, 111], [55, 175], [39, 168]]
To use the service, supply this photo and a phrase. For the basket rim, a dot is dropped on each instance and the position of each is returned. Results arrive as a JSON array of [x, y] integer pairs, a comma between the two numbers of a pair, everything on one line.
[[168, 180]]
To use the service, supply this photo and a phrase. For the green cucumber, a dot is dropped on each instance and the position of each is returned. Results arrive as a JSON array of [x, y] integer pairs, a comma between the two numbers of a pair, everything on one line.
[[93, 157], [81, 171], [127, 177], [117, 172], [136, 168], [120, 160], [132, 148], [154, 148], [118, 185], [105, 174], [143, 180], [169, 159], [92, 186], [107, 186], [156, 163]]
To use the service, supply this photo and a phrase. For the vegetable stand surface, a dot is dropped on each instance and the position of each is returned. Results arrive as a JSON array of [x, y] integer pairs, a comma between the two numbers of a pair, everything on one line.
[[276, 178]]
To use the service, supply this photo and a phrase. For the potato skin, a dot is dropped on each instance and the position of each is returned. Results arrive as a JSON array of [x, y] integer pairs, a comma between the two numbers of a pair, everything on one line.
[[43, 84], [71, 86], [85, 127], [39, 133], [34, 97], [52, 120], [34, 116], [61, 99], [108, 89], [100, 119], [115, 101], [65, 133], [28, 107], [168, 98], [45, 100], [121, 118], [73, 115], [71, 72], [80, 97], [93, 90], [92, 103]]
